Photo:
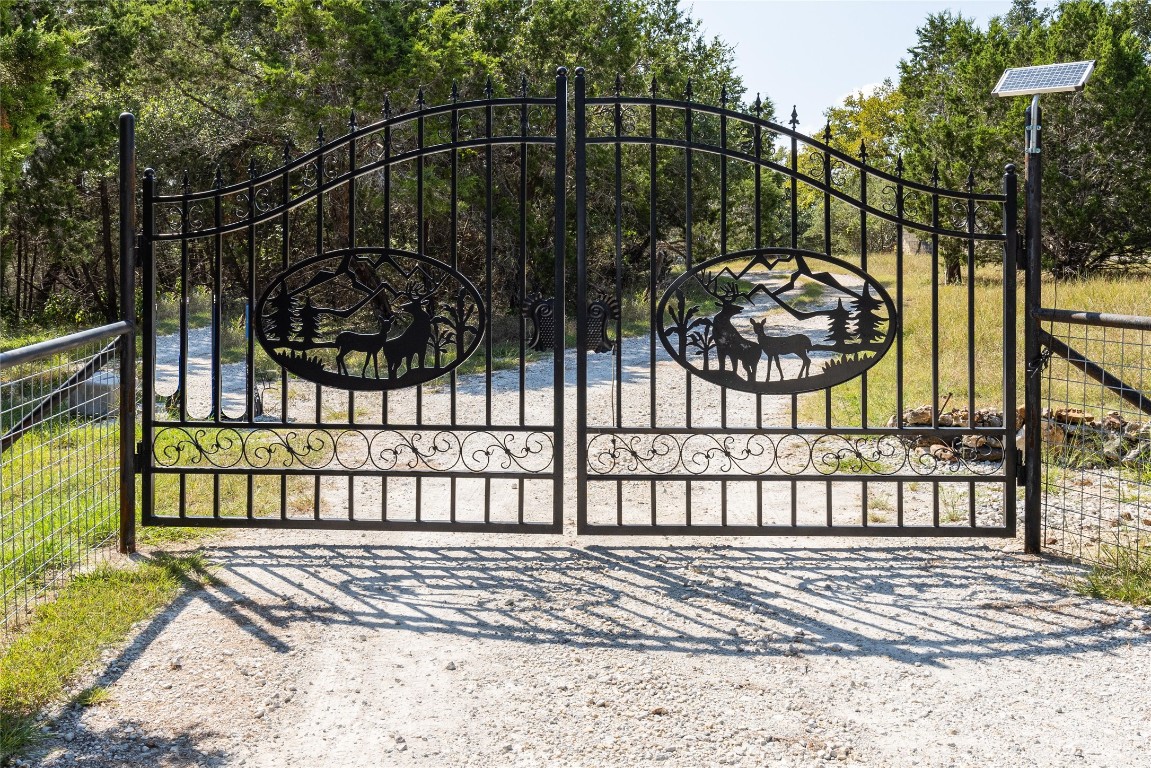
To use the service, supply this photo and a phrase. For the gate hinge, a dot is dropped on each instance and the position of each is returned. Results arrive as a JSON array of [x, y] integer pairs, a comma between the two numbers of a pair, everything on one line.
[[139, 458], [1021, 252], [1020, 468]]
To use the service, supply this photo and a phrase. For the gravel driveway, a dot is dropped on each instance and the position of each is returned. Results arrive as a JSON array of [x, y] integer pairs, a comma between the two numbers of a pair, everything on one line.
[[350, 649]]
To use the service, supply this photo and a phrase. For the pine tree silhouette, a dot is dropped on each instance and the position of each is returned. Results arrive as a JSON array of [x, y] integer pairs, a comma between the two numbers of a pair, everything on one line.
[[283, 317], [839, 330], [310, 321], [867, 321]]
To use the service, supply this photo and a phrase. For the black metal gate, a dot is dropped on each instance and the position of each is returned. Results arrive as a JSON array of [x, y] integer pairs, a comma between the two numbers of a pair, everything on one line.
[[760, 384], [374, 366], [393, 355]]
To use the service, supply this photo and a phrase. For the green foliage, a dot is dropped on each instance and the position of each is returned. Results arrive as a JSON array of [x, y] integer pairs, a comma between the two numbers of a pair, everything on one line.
[[66, 636], [1097, 147], [1125, 575], [218, 84]]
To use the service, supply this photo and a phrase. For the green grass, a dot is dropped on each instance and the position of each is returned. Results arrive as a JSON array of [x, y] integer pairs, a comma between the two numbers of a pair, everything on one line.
[[1124, 575], [65, 637]]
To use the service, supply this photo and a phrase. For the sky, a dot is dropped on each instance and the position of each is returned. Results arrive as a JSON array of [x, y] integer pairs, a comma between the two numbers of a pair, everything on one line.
[[812, 53]]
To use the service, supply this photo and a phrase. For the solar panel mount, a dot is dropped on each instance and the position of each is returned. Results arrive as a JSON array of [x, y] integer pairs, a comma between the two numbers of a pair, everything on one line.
[[1045, 78]]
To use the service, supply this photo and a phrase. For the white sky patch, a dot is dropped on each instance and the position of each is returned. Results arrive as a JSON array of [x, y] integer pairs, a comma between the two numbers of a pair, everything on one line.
[[866, 90]]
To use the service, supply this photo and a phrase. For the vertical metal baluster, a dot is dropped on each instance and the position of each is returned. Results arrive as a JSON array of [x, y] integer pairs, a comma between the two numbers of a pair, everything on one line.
[[421, 248], [522, 282], [250, 319], [618, 351], [723, 219], [454, 251], [863, 266], [581, 299], [351, 246], [971, 328], [794, 162], [489, 250], [653, 235], [688, 256], [935, 326], [899, 311], [319, 251], [827, 250], [1010, 245], [388, 245], [758, 148], [182, 382], [558, 303], [285, 240], [217, 288]]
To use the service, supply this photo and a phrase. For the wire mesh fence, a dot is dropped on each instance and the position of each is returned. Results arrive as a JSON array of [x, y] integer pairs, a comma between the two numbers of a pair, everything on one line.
[[1096, 438], [59, 468]]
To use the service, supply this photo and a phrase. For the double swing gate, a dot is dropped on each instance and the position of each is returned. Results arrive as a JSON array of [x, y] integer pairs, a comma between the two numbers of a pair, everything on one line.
[[378, 333]]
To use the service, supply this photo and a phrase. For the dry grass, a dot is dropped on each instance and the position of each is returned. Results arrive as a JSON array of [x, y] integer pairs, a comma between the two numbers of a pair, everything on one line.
[[1106, 293]]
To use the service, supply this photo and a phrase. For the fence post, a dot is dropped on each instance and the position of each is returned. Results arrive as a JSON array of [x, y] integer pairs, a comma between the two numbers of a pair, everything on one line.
[[1033, 478], [128, 340]]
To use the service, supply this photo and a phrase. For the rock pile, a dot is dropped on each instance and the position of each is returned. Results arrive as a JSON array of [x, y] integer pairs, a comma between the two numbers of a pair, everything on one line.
[[1111, 440], [966, 447]]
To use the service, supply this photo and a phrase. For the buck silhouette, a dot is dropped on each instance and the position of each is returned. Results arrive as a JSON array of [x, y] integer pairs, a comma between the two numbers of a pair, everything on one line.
[[412, 344], [775, 346], [730, 344], [371, 344]]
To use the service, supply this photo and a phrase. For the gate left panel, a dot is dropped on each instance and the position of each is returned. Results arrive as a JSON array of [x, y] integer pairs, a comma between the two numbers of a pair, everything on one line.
[[368, 336]]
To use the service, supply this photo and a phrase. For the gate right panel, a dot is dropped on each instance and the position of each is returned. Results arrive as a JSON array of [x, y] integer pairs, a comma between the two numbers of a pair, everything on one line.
[[777, 337]]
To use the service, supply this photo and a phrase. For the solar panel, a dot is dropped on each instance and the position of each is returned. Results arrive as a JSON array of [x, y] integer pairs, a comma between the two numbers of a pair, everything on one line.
[[1046, 78]]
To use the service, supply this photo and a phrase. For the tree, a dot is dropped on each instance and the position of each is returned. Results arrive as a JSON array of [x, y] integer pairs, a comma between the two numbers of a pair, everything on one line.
[[1097, 147], [867, 320], [839, 330]]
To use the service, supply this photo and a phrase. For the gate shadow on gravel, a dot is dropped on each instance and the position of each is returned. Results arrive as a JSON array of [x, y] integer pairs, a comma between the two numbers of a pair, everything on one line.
[[915, 604]]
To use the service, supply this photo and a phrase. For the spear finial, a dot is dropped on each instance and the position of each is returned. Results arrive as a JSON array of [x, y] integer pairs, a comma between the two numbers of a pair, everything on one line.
[[758, 105], [287, 149], [387, 106], [687, 90], [935, 174], [455, 91], [654, 87], [794, 118], [723, 96], [488, 88], [420, 98], [827, 133], [618, 84], [524, 85], [252, 167], [219, 180], [899, 165], [862, 151], [352, 121], [971, 180], [320, 135], [186, 182]]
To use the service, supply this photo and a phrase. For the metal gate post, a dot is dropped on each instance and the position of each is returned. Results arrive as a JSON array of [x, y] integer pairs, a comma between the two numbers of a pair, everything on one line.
[[128, 340], [1033, 469], [581, 297]]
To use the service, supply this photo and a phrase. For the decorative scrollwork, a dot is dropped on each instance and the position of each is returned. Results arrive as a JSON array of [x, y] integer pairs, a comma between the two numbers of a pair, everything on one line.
[[786, 454], [541, 312], [482, 452], [600, 313]]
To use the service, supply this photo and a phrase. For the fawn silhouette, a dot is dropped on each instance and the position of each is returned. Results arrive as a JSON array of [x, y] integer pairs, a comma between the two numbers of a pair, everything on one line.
[[796, 344], [371, 344]]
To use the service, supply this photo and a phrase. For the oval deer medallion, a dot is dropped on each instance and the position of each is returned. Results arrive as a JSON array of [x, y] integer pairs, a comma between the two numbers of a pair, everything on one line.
[[370, 319], [776, 321]]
